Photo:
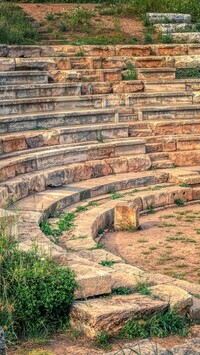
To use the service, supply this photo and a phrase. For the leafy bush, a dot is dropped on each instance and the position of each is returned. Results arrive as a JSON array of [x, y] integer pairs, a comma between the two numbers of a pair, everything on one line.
[[35, 292], [15, 28], [183, 73]]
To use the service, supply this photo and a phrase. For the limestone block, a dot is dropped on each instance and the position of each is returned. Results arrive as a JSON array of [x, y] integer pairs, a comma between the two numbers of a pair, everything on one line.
[[185, 158], [124, 275], [3, 50], [126, 216], [196, 193], [184, 37], [128, 86], [7, 64], [98, 255], [195, 309], [185, 194], [91, 281], [169, 49], [13, 144], [138, 163], [187, 61], [17, 51], [35, 63], [130, 50], [177, 298], [172, 17], [168, 28], [110, 315], [169, 145]]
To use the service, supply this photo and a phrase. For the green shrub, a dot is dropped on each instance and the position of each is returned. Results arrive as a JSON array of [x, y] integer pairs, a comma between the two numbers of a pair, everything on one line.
[[131, 73], [35, 292], [15, 28], [184, 73], [166, 39]]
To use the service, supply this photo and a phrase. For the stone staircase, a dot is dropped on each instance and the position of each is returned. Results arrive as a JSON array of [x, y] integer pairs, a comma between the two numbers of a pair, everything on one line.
[[72, 131], [178, 26]]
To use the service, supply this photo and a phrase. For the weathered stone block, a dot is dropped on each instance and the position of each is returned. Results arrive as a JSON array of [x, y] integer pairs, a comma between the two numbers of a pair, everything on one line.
[[126, 216], [109, 315], [178, 299]]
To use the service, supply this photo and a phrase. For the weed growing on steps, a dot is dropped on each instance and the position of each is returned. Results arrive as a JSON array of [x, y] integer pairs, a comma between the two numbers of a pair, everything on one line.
[[150, 209], [81, 208], [143, 289], [159, 325], [179, 202], [35, 292], [65, 223], [107, 262], [100, 138], [130, 73], [122, 290], [115, 195], [15, 28], [48, 230], [99, 245], [79, 54]]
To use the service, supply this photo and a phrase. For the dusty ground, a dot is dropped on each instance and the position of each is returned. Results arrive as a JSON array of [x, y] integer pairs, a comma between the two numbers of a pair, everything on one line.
[[169, 243], [101, 24], [71, 344]]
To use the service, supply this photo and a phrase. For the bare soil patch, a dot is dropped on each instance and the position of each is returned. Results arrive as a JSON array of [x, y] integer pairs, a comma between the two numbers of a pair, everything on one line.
[[168, 243], [121, 30]]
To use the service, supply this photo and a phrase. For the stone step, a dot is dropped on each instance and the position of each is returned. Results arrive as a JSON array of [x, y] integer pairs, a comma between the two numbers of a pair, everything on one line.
[[186, 37], [110, 315], [162, 164], [23, 51], [88, 75], [39, 90], [167, 128], [179, 85], [33, 160], [171, 17], [23, 185], [168, 28], [39, 121], [159, 156], [81, 63], [61, 135], [149, 74], [159, 98], [16, 78], [70, 194], [168, 112], [153, 147], [68, 89], [77, 67], [60, 103]]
